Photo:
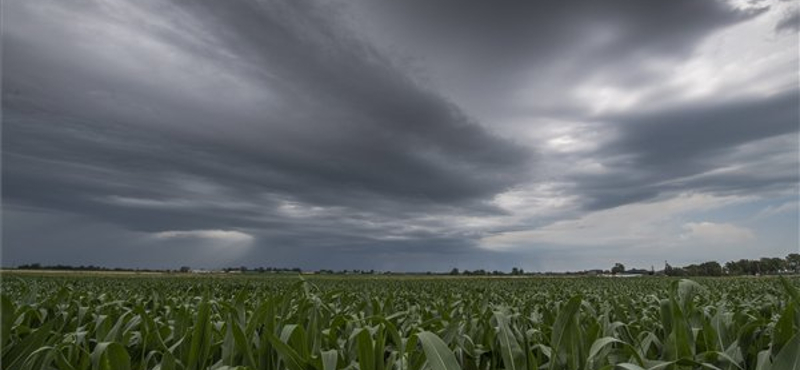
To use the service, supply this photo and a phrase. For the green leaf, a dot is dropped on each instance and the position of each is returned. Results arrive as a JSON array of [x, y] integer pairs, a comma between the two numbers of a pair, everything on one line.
[[513, 356], [439, 356], [329, 359], [7, 319], [763, 362], [789, 357], [685, 290], [784, 328], [28, 344], [242, 345], [562, 330], [791, 291], [42, 357], [200, 345], [599, 344], [717, 355], [167, 361], [290, 358], [110, 356], [629, 366], [687, 362], [681, 337], [295, 336], [366, 351], [113, 334], [61, 361]]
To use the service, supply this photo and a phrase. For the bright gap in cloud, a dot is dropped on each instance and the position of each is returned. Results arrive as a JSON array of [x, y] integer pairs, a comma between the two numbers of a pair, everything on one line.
[[221, 235], [716, 233], [655, 223]]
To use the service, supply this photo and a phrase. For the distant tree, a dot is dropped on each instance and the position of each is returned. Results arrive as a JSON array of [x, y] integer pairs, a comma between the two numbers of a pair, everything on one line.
[[711, 268], [673, 271], [514, 271], [732, 268], [754, 267], [186, 269], [742, 267], [793, 262], [618, 268], [771, 265], [454, 271]]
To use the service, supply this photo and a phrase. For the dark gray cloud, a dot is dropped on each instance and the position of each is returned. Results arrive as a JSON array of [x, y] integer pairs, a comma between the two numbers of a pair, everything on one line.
[[297, 133], [669, 151], [516, 35], [790, 22], [526, 58], [331, 124], [669, 137], [547, 51], [344, 122]]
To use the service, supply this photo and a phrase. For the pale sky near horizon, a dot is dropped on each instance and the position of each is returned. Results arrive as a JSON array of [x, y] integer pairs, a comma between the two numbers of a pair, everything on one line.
[[408, 135]]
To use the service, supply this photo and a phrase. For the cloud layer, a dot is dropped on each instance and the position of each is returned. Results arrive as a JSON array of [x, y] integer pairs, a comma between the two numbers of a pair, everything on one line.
[[407, 136]]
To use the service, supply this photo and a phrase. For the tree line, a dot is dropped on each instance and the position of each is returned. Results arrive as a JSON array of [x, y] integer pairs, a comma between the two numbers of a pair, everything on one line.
[[763, 266], [60, 267]]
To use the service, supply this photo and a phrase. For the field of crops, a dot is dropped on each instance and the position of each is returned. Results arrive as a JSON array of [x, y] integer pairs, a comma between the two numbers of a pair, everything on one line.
[[384, 323]]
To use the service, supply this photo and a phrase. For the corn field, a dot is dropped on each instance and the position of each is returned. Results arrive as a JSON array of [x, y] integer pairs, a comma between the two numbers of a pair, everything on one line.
[[383, 323]]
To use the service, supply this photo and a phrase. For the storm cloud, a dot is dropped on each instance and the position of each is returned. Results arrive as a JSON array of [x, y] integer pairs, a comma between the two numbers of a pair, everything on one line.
[[406, 136]]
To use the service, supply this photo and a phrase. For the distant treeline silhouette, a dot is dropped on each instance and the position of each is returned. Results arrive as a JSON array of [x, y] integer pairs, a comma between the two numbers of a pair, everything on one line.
[[762, 266], [38, 266], [185, 269]]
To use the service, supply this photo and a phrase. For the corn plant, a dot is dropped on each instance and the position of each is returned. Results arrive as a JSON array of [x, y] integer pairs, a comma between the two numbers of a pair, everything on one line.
[[79, 322]]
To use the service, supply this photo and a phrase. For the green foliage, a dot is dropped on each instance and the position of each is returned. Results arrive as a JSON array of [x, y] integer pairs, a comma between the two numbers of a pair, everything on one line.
[[439, 356], [86, 322]]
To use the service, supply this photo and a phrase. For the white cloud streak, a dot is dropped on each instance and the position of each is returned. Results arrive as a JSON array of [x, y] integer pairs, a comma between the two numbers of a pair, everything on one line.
[[232, 236]]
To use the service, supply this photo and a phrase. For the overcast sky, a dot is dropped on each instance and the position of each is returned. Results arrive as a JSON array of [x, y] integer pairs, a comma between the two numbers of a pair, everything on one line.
[[408, 135]]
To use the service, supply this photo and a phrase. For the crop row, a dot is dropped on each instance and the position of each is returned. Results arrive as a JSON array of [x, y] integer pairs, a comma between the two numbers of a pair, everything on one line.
[[77, 322]]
